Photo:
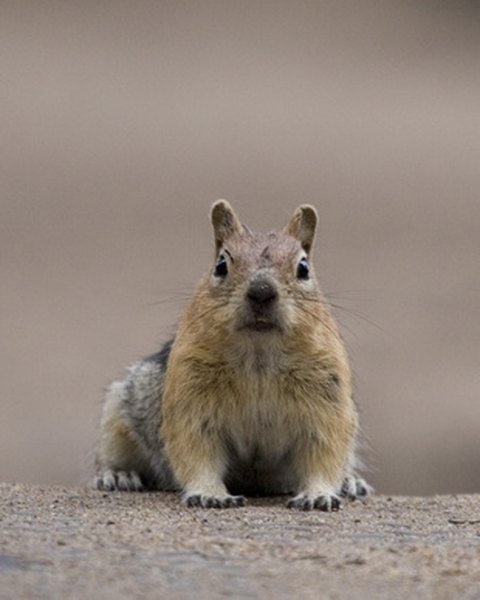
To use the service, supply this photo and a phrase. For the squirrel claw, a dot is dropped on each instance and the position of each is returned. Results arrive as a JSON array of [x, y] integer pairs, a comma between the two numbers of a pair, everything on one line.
[[203, 501], [327, 502]]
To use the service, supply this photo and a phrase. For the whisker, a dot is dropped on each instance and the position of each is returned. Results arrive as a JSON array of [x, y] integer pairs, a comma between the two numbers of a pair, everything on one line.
[[179, 294], [352, 312], [169, 301], [356, 314]]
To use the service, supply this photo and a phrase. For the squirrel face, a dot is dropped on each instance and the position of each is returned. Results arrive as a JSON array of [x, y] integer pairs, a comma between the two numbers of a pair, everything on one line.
[[263, 283]]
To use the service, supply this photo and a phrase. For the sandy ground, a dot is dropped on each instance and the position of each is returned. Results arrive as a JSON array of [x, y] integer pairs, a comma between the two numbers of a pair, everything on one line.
[[72, 542]]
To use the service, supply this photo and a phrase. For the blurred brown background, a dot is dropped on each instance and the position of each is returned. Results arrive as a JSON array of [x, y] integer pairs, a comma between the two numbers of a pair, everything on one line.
[[122, 121]]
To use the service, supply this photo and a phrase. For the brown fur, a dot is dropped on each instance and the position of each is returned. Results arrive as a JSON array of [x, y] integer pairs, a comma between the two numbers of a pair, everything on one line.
[[257, 395]]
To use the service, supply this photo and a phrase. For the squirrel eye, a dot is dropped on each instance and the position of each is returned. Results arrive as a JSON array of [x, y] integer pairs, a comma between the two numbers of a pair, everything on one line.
[[221, 267], [303, 271]]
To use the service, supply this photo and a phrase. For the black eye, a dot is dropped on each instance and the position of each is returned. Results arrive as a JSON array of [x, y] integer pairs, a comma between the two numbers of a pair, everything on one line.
[[221, 267], [303, 271]]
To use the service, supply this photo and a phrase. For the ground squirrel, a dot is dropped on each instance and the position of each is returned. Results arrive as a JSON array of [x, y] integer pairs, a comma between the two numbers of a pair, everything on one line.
[[253, 396]]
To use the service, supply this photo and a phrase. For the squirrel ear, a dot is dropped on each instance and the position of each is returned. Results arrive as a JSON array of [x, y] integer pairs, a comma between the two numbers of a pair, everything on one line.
[[225, 222], [302, 226]]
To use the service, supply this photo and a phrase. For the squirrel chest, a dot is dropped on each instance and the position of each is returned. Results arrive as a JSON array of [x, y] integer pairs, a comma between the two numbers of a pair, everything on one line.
[[262, 403]]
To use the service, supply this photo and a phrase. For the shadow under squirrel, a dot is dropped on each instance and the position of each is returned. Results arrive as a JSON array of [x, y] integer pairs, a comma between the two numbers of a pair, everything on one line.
[[253, 396]]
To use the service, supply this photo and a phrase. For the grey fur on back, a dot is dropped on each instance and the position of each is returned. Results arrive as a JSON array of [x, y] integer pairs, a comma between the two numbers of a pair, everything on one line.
[[138, 401]]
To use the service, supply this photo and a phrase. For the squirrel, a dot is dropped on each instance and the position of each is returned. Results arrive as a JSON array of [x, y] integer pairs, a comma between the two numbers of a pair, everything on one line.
[[253, 396]]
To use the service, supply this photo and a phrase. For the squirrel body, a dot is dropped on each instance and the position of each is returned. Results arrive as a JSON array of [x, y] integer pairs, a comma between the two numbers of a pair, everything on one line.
[[253, 396]]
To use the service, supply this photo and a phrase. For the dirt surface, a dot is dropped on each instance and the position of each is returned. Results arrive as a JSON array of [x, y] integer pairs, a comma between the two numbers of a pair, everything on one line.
[[72, 542]]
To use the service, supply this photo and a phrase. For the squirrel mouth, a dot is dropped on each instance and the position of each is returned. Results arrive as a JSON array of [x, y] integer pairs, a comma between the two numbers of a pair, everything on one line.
[[260, 325]]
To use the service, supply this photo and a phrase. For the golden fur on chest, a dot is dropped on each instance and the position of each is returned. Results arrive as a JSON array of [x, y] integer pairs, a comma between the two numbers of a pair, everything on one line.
[[263, 403]]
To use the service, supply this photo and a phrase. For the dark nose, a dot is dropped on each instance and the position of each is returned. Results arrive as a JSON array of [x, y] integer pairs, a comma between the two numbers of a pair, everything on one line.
[[261, 294]]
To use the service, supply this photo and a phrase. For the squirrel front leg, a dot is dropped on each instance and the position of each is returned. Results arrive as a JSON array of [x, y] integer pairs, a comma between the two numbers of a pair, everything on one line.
[[196, 452], [321, 461]]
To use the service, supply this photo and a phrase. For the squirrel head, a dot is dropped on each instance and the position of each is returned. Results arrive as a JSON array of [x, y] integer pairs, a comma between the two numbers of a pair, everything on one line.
[[263, 282]]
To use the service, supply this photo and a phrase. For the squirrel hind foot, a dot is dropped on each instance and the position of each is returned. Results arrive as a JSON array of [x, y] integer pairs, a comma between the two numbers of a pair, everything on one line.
[[123, 481], [355, 488]]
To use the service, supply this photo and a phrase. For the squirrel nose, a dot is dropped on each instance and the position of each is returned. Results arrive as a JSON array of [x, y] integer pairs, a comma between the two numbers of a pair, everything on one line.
[[261, 294]]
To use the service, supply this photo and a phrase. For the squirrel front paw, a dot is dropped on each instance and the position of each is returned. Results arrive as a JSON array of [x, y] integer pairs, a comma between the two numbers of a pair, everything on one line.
[[206, 501], [325, 502]]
